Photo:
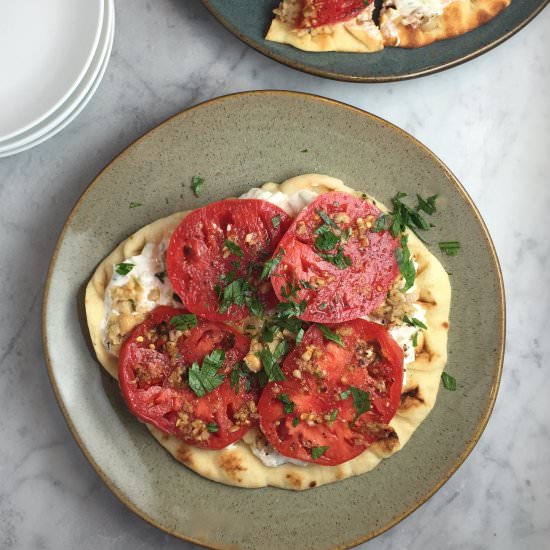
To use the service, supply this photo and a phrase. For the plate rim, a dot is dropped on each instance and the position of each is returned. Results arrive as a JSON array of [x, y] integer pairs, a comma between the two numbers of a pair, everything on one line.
[[484, 419], [332, 75]]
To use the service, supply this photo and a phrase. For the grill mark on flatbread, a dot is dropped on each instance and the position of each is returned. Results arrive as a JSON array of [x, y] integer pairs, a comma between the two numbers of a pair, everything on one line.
[[230, 462]]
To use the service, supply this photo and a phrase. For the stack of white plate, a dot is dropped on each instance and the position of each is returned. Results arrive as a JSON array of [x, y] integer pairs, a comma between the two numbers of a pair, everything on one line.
[[53, 55]]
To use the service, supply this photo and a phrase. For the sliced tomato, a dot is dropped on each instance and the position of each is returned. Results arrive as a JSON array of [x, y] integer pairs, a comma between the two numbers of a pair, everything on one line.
[[319, 412], [223, 243], [153, 373], [339, 279], [316, 13]]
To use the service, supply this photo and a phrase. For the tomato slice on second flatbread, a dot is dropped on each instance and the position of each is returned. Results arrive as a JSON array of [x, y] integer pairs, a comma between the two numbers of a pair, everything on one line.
[[224, 244], [334, 261], [316, 13]]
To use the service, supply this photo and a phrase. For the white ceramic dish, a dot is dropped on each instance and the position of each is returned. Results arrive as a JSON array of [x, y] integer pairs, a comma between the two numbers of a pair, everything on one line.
[[46, 49], [76, 101]]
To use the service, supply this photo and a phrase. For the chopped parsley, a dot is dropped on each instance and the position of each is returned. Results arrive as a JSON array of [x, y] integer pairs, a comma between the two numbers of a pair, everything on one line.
[[184, 321], [414, 339], [361, 402], [450, 248], [330, 335], [239, 292], [291, 308], [305, 284], [426, 205], [295, 421], [449, 382], [345, 394], [238, 372], [268, 333], [124, 268], [135, 204], [414, 322], [233, 248], [333, 415], [338, 259], [322, 305], [304, 151], [382, 223], [212, 427], [288, 405], [196, 185], [405, 263], [271, 367], [326, 240], [271, 265], [206, 379], [318, 452], [299, 336], [281, 350], [276, 221], [327, 219]]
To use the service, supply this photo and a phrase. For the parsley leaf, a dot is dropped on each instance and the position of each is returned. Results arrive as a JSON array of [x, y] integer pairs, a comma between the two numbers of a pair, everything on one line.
[[196, 185], [318, 452], [330, 335], [414, 322], [299, 336], [338, 259], [333, 415], [124, 268], [288, 405], [238, 372], [184, 321], [281, 350], [295, 421], [239, 292], [414, 339], [382, 223], [361, 401], [135, 204], [305, 284], [271, 366], [427, 205], [325, 217], [345, 394], [268, 333], [271, 265], [405, 263], [276, 221], [212, 427], [233, 248], [206, 379], [326, 240], [286, 310], [450, 248], [449, 382]]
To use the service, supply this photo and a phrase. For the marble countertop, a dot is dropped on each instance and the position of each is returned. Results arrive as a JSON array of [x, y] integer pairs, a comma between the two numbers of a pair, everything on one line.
[[489, 120]]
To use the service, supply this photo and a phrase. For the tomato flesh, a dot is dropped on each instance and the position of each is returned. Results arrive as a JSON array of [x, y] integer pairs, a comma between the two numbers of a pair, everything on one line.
[[201, 263], [316, 13], [336, 291], [319, 377], [154, 382]]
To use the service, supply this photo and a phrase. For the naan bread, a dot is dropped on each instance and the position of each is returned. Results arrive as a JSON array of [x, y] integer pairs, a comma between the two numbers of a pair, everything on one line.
[[457, 17], [424, 22], [237, 465], [358, 35]]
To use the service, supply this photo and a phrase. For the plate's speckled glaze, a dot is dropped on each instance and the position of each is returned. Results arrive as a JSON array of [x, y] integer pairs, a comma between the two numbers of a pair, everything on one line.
[[236, 142], [249, 21]]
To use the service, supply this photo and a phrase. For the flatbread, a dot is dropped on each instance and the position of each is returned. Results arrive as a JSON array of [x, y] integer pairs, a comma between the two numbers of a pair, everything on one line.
[[358, 35], [458, 17], [361, 35], [237, 465]]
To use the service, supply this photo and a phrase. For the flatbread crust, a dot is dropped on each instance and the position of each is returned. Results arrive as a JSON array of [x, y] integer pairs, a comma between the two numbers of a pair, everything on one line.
[[358, 35], [458, 17], [237, 465]]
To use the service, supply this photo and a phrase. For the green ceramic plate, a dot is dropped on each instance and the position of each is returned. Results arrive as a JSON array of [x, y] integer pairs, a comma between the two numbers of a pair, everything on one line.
[[249, 21], [236, 142]]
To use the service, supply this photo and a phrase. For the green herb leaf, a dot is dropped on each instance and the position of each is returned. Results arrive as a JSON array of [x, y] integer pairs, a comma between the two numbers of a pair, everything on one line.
[[414, 322], [345, 394], [339, 259], [449, 382], [327, 219], [318, 452], [361, 402], [304, 150], [295, 421], [238, 372], [276, 221], [322, 305], [271, 366], [405, 263], [382, 223], [450, 248], [268, 332], [299, 336], [327, 240], [330, 335], [233, 248], [206, 379], [196, 185], [135, 204], [184, 321], [333, 415], [415, 339], [305, 284], [212, 427], [124, 268], [288, 405], [281, 350], [271, 265], [427, 205], [286, 310]]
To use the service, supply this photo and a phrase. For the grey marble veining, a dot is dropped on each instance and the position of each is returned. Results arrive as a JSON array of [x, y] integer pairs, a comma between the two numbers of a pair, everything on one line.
[[489, 120]]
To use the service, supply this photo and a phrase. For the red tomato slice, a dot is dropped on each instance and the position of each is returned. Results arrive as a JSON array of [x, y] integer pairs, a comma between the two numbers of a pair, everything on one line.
[[363, 265], [153, 373], [221, 243], [324, 12], [325, 420]]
